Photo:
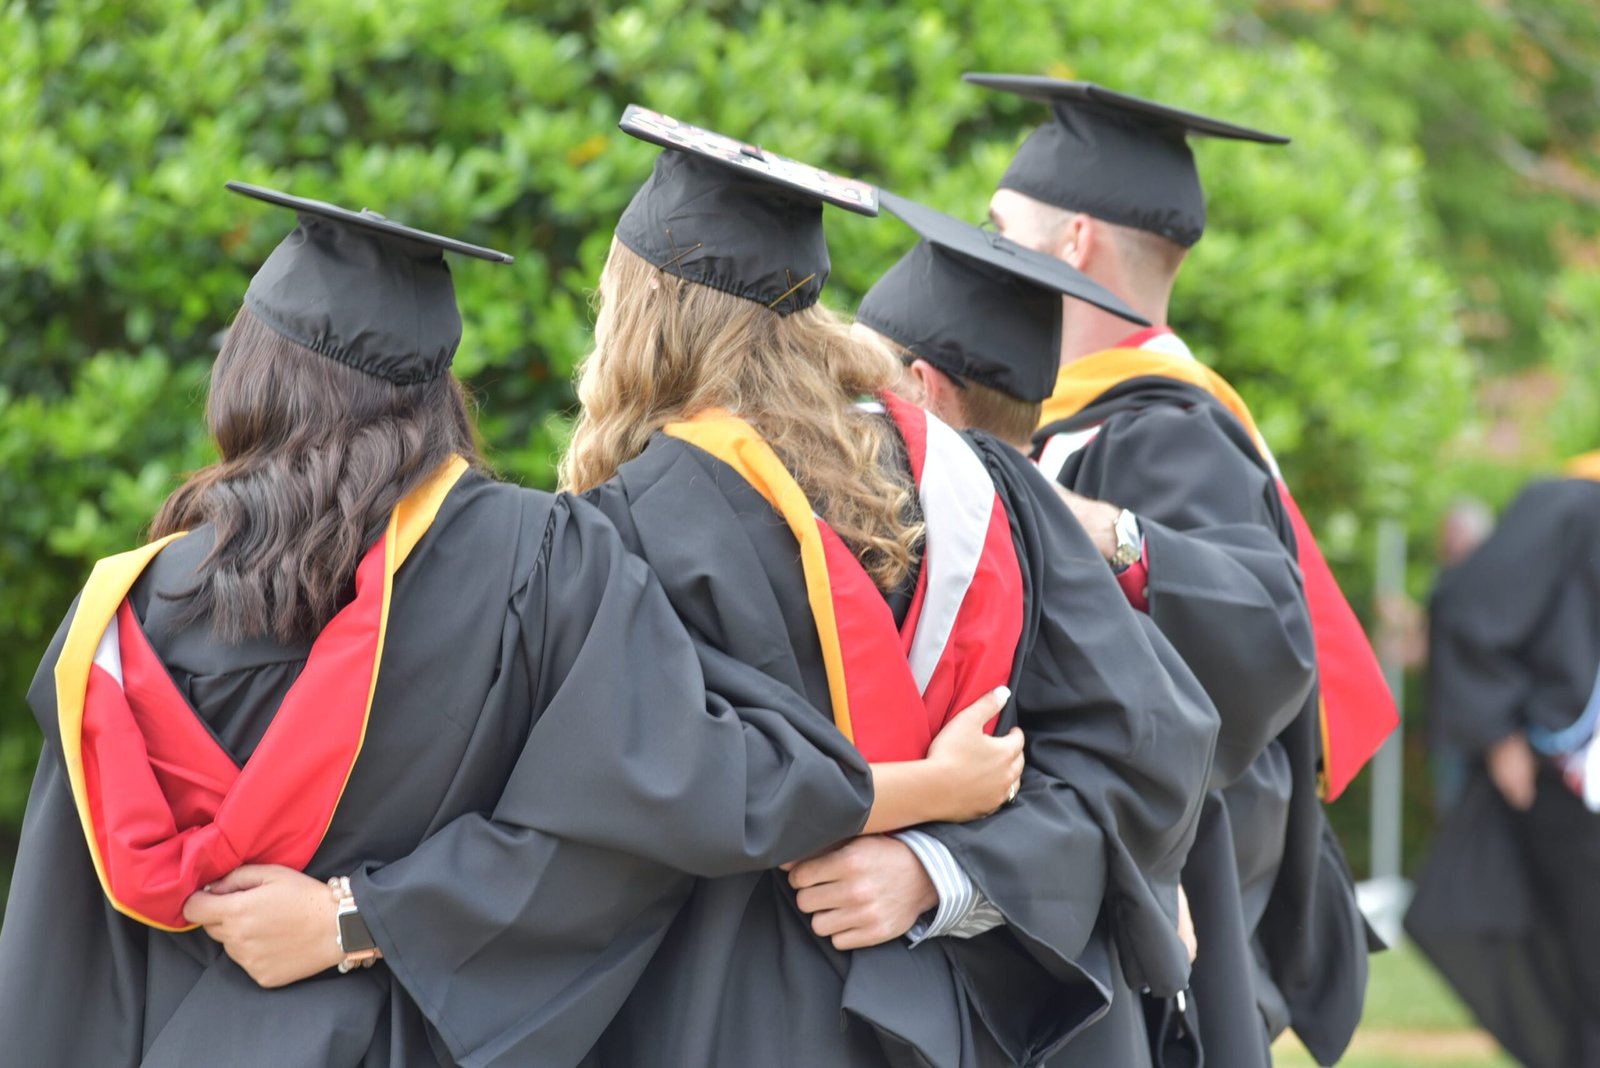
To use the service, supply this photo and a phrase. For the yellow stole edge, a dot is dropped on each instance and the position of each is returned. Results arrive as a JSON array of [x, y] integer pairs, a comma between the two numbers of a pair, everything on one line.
[[739, 445], [1585, 465], [1080, 382], [109, 583], [1326, 737]]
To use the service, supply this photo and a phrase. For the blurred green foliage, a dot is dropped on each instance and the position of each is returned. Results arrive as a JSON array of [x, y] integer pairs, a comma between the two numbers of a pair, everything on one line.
[[1501, 98], [1329, 285]]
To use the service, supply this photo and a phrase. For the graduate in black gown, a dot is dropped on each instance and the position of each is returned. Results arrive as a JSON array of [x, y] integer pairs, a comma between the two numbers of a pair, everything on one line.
[[976, 320], [462, 703], [1168, 474], [1505, 907], [792, 526]]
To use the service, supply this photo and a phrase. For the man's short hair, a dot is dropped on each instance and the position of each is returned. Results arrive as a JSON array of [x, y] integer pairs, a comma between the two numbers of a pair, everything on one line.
[[982, 407], [1006, 417], [1146, 254]]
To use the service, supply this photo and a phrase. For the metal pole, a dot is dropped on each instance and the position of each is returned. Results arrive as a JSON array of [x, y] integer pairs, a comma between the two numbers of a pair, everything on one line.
[[1387, 770]]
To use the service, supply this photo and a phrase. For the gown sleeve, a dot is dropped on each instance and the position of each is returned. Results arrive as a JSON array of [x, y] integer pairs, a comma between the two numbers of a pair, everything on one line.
[[54, 946], [62, 944], [1223, 588], [1119, 748], [520, 931], [1492, 601]]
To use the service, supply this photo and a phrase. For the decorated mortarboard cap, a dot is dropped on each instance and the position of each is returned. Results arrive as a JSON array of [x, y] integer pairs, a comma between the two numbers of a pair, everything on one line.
[[1113, 156], [733, 216], [361, 289], [978, 306]]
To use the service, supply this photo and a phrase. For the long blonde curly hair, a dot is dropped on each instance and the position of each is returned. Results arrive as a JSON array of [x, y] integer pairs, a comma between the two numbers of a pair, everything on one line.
[[667, 349]]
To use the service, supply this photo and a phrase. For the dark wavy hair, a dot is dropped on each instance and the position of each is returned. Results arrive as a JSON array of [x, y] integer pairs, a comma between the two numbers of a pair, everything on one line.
[[315, 455]]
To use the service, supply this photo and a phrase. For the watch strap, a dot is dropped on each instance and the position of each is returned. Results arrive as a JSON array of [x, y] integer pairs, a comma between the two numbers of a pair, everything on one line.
[[351, 932]]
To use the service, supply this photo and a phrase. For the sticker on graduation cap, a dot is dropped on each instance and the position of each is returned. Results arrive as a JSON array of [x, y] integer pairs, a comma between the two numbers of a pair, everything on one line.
[[369, 220], [663, 130]]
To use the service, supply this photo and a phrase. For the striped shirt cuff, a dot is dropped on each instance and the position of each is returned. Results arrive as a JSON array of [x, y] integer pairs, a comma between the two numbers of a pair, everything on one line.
[[963, 910]]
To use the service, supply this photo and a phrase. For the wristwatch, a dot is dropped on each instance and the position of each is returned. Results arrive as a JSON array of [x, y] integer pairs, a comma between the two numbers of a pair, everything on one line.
[[353, 937], [1130, 541]]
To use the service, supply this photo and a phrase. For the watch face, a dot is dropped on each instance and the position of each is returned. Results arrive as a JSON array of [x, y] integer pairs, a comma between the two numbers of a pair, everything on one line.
[[1129, 541], [353, 934]]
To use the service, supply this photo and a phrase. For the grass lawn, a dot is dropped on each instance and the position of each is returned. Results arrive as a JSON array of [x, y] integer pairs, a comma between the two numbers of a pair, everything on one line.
[[1412, 1020]]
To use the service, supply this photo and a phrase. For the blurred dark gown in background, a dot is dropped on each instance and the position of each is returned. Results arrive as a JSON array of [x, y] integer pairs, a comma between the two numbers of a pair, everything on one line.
[[1508, 905]]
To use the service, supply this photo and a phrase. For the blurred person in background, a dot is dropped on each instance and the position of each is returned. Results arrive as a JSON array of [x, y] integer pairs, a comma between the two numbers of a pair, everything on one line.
[[1506, 905], [1467, 524], [1404, 632]]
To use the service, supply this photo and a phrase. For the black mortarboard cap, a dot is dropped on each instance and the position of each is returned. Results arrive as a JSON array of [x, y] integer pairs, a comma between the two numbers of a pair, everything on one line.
[[733, 216], [978, 306], [360, 289], [1114, 156]]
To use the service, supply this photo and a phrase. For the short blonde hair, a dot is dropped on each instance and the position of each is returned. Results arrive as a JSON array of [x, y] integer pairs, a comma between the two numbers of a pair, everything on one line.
[[982, 407], [667, 349], [1006, 417]]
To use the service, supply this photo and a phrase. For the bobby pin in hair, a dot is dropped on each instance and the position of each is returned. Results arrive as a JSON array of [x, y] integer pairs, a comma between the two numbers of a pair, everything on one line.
[[786, 294]]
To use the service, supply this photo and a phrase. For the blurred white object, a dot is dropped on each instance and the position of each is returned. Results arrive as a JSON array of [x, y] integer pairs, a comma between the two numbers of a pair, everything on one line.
[[1383, 902]]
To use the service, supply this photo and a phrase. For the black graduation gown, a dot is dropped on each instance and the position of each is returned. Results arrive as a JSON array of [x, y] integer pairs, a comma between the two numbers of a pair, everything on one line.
[[1273, 903], [542, 775], [1505, 904], [1083, 866]]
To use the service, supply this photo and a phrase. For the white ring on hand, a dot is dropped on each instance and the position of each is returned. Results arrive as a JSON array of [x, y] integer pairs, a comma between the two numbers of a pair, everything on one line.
[[1011, 795]]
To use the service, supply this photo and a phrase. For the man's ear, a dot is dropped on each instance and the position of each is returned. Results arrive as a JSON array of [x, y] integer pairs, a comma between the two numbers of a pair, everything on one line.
[[1078, 241], [908, 386], [940, 395], [931, 385]]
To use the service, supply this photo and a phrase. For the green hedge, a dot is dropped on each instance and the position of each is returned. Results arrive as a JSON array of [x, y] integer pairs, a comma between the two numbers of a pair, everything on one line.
[[121, 257], [1501, 97]]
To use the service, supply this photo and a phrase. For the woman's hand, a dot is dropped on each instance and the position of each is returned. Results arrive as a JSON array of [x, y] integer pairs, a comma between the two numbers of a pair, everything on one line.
[[978, 773], [278, 924], [965, 775]]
